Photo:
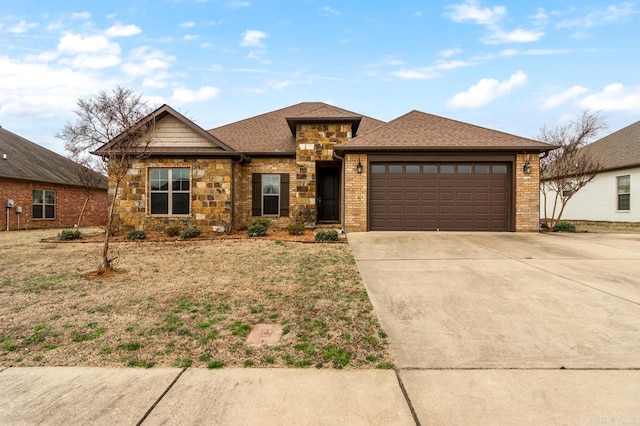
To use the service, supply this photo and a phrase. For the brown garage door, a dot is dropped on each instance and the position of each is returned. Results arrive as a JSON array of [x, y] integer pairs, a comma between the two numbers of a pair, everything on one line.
[[439, 196]]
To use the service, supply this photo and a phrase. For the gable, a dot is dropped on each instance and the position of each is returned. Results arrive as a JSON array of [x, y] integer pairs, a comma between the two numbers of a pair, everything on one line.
[[173, 133]]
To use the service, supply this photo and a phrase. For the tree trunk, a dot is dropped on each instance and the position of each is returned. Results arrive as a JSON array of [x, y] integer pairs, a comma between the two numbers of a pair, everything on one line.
[[106, 262], [84, 206]]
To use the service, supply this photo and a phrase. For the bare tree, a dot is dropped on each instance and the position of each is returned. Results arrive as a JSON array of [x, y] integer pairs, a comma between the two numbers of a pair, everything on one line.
[[89, 178], [118, 127], [567, 169]]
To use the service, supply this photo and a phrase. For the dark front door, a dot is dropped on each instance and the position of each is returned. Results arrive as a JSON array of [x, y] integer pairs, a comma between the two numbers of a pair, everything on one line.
[[328, 199]]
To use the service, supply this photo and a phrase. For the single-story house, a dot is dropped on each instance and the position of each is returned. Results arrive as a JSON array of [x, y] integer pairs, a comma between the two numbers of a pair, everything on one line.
[[322, 164], [41, 189], [608, 197]]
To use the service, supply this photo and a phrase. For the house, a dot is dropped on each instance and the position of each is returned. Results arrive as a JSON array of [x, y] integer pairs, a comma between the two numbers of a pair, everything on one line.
[[41, 189], [609, 196], [319, 164]]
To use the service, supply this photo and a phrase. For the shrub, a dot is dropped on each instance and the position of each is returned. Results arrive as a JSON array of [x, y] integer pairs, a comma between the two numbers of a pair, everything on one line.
[[328, 235], [190, 233], [136, 235], [258, 227], [564, 227], [295, 228], [69, 234], [172, 231]]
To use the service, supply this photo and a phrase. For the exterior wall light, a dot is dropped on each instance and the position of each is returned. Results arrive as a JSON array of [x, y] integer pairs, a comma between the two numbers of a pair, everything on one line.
[[527, 167], [359, 167]]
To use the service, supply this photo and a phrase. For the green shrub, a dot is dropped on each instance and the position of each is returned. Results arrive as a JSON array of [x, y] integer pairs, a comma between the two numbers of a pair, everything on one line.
[[172, 231], [69, 234], [260, 221], [190, 233], [136, 235], [256, 230], [328, 235], [295, 228], [564, 227]]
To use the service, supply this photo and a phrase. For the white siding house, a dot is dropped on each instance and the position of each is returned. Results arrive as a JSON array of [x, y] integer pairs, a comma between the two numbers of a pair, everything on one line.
[[614, 194]]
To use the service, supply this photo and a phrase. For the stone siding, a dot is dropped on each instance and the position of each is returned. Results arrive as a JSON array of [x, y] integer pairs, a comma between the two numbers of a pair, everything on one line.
[[355, 217], [527, 194], [210, 195], [69, 202]]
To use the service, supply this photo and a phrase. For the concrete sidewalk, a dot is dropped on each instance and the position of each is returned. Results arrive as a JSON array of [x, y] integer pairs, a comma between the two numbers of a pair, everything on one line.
[[124, 396]]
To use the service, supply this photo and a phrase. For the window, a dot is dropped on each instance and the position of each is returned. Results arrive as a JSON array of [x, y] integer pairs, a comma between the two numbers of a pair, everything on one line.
[[170, 191], [376, 168], [464, 169], [429, 169], [447, 169], [393, 168], [482, 169], [500, 170], [44, 204], [271, 195], [412, 168], [567, 191], [624, 193]]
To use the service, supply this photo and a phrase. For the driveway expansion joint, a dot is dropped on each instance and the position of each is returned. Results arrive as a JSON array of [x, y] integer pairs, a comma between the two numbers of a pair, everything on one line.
[[407, 398], [160, 397]]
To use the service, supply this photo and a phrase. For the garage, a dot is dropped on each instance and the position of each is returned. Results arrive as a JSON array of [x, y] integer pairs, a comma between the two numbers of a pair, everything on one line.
[[439, 196]]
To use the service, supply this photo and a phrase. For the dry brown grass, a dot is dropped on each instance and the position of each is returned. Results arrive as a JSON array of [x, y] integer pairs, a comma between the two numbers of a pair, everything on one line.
[[181, 303]]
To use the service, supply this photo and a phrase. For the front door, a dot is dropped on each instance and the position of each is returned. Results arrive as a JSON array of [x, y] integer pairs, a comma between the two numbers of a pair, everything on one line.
[[328, 199]]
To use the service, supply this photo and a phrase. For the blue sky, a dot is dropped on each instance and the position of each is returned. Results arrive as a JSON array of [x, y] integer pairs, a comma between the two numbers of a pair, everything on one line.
[[509, 65]]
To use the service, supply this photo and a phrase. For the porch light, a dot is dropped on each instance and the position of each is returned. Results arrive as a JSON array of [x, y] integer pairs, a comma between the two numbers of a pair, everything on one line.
[[359, 167], [527, 167]]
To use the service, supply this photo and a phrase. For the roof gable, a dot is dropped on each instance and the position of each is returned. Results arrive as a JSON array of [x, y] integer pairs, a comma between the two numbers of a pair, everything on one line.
[[417, 130], [271, 132], [619, 149], [29, 161]]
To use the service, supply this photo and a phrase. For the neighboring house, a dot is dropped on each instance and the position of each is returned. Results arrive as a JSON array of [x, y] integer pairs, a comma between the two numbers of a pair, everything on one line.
[[610, 196], [45, 188], [318, 163]]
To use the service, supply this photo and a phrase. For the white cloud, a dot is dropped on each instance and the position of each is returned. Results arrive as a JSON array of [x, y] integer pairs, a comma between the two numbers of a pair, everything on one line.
[[331, 11], [540, 18], [185, 96], [598, 17], [74, 43], [188, 24], [21, 27], [614, 97], [470, 10], [450, 52], [486, 90], [556, 100], [120, 30], [253, 38], [416, 74], [81, 15], [24, 91], [498, 36], [206, 45], [509, 52], [191, 37], [417, 14], [279, 85], [146, 61], [236, 4]]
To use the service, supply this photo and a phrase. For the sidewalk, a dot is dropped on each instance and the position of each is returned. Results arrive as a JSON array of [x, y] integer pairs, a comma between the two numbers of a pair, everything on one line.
[[127, 396]]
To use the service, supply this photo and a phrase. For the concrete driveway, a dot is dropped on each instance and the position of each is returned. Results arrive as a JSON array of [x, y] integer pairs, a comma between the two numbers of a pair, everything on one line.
[[510, 328]]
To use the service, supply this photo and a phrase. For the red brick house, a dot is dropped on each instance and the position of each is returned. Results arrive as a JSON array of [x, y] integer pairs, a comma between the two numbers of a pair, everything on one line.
[[322, 164], [44, 188]]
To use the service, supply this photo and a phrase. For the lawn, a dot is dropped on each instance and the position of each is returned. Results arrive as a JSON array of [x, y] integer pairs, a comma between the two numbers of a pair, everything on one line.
[[184, 303]]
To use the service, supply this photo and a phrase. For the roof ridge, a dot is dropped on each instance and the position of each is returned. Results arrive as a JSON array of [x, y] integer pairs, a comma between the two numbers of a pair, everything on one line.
[[253, 117]]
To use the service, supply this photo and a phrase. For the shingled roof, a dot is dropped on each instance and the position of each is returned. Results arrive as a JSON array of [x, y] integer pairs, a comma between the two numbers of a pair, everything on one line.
[[420, 131], [619, 149], [270, 133], [28, 161]]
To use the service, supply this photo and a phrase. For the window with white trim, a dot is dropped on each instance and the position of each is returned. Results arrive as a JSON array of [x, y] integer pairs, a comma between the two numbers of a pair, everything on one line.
[[43, 204], [624, 192], [170, 191], [271, 194]]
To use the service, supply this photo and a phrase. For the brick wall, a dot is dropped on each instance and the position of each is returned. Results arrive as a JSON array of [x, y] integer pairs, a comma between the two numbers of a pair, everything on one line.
[[527, 193], [355, 217], [210, 195], [243, 187], [69, 202]]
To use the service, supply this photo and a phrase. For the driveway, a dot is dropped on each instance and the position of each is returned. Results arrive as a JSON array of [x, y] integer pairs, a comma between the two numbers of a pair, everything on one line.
[[510, 328]]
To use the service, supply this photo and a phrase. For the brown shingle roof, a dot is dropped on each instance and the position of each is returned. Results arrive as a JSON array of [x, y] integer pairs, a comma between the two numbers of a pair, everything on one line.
[[32, 162], [270, 132], [420, 131], [619, 149]]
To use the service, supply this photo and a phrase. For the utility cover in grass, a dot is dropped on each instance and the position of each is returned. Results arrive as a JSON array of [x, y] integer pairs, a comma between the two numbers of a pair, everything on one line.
[[264, 334]]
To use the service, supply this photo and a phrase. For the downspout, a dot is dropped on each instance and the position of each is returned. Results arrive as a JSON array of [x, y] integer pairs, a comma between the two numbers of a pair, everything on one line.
[[342, 198], [233, 192]]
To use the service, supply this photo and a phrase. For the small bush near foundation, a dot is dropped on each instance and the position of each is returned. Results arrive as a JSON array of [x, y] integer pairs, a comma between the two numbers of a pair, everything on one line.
[[136, 235], [69, 234], [295, 228], [328, 235], [173, 231], [258, 227], [564, 227], [190, 233]]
